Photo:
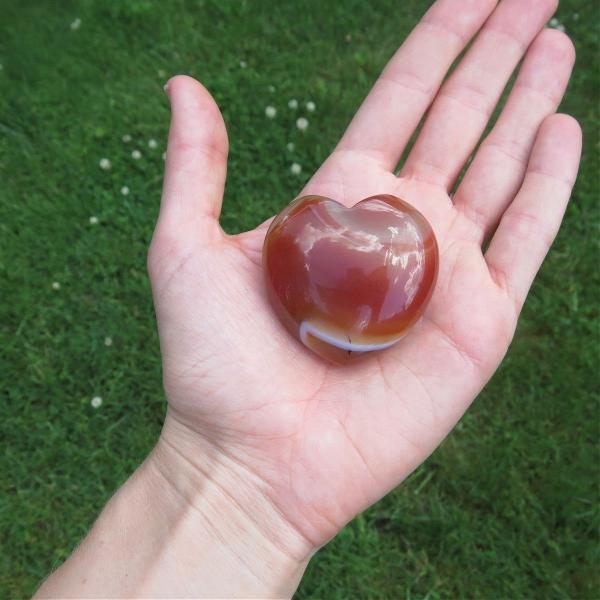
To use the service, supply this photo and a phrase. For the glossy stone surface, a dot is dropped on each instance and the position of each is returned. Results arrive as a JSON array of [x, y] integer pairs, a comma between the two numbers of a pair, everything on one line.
[[346, 281]]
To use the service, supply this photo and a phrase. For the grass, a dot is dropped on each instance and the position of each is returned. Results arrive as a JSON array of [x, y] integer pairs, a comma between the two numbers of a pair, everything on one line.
[[506, 508]]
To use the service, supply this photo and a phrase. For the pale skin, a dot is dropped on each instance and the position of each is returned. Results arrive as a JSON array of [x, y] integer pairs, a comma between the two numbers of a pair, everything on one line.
[[266, 450]]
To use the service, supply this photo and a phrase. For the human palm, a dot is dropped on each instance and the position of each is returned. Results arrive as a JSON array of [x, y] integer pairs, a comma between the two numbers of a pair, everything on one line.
[[325, 441]]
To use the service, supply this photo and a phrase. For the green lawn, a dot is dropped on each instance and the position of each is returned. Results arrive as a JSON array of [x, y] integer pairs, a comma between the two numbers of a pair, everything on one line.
[[506, 508]]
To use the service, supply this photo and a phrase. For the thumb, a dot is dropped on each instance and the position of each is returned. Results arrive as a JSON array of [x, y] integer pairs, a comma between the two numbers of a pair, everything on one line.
[[196, 164]]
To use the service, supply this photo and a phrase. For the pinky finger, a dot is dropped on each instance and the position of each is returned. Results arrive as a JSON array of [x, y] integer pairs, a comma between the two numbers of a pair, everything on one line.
[[531, 222]]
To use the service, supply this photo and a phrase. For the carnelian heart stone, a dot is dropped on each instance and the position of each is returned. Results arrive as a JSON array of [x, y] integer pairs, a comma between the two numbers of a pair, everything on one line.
[[346, 281]]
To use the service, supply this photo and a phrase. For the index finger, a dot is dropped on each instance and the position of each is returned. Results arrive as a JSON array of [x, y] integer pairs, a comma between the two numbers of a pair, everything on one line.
[[391, 112]]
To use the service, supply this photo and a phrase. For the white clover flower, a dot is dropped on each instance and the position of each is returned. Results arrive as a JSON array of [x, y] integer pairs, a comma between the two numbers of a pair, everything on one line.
[[293, 103], [290, 146], [556, 24], [136, 154], [270, 111], [105, 164], [272, 89], [152, 144], [162, 73], [108, 341], [55, 285], [310, 106], [76, 24], [243, 64], [96, 402], [125, 190], [302, 123], [94, 221], [295, 168], [126, 138]]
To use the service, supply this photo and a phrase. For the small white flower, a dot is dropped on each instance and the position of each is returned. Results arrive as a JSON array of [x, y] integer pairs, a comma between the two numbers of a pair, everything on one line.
[[272, 89], [302, 123], [553, 22], [105, 164], [125, 190], [560, 27], [243, 64], [96, 402], [55, 285], [295, 168], [136, 154], [310, 106], [152, 144], [162, 73], [164, 156], [108, 341], [126, 138], [76, 24], [290, 146], [293, 103], [94, 221], [270, 111]]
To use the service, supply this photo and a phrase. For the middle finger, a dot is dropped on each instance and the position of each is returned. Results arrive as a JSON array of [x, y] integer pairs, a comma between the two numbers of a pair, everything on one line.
[[465, 103]]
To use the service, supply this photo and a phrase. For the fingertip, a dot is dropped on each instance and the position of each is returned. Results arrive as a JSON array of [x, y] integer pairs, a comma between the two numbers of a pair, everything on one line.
[[182, 82], [563, 130], [557, 150], [567, 121], [556, 44], [187, 89], [196, 118]]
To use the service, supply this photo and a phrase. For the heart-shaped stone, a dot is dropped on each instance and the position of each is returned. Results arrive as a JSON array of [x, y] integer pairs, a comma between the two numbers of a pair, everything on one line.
[[349, 280]]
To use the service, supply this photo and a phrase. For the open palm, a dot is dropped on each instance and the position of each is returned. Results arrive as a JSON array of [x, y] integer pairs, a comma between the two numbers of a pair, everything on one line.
[[324, 441]]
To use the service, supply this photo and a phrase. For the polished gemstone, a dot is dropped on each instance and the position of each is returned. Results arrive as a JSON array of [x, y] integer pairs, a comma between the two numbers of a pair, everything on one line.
[[346, 281]]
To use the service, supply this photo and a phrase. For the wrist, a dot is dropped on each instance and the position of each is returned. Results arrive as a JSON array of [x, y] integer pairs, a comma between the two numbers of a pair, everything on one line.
[[225, 517], [188, 523]]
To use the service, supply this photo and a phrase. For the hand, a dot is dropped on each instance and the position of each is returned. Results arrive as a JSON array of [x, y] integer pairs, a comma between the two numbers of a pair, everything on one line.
[[268, 451], [323, 441]]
